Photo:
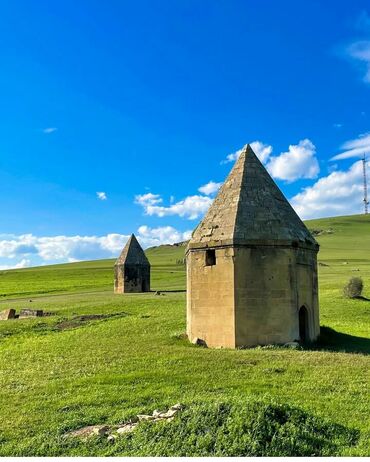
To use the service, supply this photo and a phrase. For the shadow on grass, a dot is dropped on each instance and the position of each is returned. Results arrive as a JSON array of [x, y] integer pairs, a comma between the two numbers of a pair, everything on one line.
[[170, 291], [332, 340], [361, 297]]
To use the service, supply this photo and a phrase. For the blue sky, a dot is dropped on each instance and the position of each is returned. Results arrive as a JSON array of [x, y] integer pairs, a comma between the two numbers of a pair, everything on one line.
[[148, 101]]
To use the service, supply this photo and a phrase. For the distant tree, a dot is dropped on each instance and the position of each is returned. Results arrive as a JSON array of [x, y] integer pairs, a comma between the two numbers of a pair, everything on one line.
[[353, 288]]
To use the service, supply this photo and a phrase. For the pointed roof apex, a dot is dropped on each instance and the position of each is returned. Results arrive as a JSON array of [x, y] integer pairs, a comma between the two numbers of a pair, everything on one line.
[[132, 253], [250, 209]]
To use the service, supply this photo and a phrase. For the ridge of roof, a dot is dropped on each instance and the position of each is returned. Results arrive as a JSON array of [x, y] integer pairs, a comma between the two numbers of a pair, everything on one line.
[[132, 254]]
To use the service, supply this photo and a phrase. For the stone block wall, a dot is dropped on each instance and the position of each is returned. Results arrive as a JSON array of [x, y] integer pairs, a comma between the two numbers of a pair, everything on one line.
[[131, 279], [210, 298], [7, 314], [252, 295], [271, 285]]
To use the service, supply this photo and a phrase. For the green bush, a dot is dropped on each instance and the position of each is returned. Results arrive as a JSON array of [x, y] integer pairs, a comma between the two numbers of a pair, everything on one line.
[[353, 288], [239, 429]]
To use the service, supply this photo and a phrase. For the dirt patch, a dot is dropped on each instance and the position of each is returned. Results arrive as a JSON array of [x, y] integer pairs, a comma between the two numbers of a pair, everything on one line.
[[78, 321]]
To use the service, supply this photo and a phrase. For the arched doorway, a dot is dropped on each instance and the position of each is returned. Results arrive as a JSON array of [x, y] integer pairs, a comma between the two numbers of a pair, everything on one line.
[[303, 324]]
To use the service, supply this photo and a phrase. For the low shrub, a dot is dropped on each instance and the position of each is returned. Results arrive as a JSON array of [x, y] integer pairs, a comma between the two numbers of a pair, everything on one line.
[[353, 288], [250, 428]]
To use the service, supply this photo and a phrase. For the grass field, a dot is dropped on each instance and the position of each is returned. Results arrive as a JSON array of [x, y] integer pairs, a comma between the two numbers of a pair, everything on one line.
[[61, 372]]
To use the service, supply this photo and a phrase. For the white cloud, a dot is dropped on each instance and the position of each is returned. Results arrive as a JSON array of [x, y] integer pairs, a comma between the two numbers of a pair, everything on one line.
[[59, 249], [148, 199], [210, 188], [163, 234], [262, 151], [340, 193], [355, 148], [101, 195], [337, 125], [49, 130], [191, 207], [298, 162], [24, 263]]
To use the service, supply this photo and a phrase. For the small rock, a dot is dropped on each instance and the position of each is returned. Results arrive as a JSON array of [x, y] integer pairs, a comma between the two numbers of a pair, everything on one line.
[[111, 438], [169, 414], [293, 345], [145, 417], [101, 430], [157, 293], [126, 428], [89, 431], [177, 407]]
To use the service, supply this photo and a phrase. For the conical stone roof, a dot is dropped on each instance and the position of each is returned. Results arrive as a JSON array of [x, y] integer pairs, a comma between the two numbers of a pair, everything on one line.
[[132, 254], [250, 209]]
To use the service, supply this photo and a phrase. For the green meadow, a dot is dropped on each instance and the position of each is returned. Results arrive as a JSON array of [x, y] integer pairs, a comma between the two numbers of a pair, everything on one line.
[[100, 358]]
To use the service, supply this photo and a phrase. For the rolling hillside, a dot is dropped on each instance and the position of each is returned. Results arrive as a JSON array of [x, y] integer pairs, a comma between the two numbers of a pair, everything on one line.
[[344, 241], [102, 358]]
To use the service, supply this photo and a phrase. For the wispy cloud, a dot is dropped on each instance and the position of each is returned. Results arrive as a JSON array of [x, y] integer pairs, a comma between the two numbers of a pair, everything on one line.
[[101, 195], [49, 130], [359, 50], [354, 148]]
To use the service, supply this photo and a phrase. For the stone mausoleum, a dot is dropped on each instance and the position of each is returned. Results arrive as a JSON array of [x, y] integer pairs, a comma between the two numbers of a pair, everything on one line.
[[132, 269], [251, 266]]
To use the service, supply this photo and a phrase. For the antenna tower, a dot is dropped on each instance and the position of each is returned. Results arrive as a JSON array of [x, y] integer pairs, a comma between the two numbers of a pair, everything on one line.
[[366, 202]]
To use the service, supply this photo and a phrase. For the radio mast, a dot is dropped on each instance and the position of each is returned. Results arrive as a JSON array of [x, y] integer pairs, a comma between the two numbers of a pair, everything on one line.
[[366, 202]]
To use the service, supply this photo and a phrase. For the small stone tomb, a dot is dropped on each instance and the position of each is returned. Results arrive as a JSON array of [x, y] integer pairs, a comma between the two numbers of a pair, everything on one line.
[[27, 313], [7, 314]]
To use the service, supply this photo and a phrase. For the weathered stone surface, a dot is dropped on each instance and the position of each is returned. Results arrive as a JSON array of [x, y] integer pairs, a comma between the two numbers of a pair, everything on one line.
[[111, 432], [7, 314], [161, 415], [127, 428], [89, 431], [132, 269], [251, 266], [27, 313], [250, 207]]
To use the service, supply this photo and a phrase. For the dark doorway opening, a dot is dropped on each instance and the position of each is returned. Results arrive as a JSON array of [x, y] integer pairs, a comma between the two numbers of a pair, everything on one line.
[[210, 257], [303, 324]]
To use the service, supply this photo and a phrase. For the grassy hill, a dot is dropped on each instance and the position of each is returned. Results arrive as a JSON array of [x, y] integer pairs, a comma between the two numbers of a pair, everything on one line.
[[102, 358]]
